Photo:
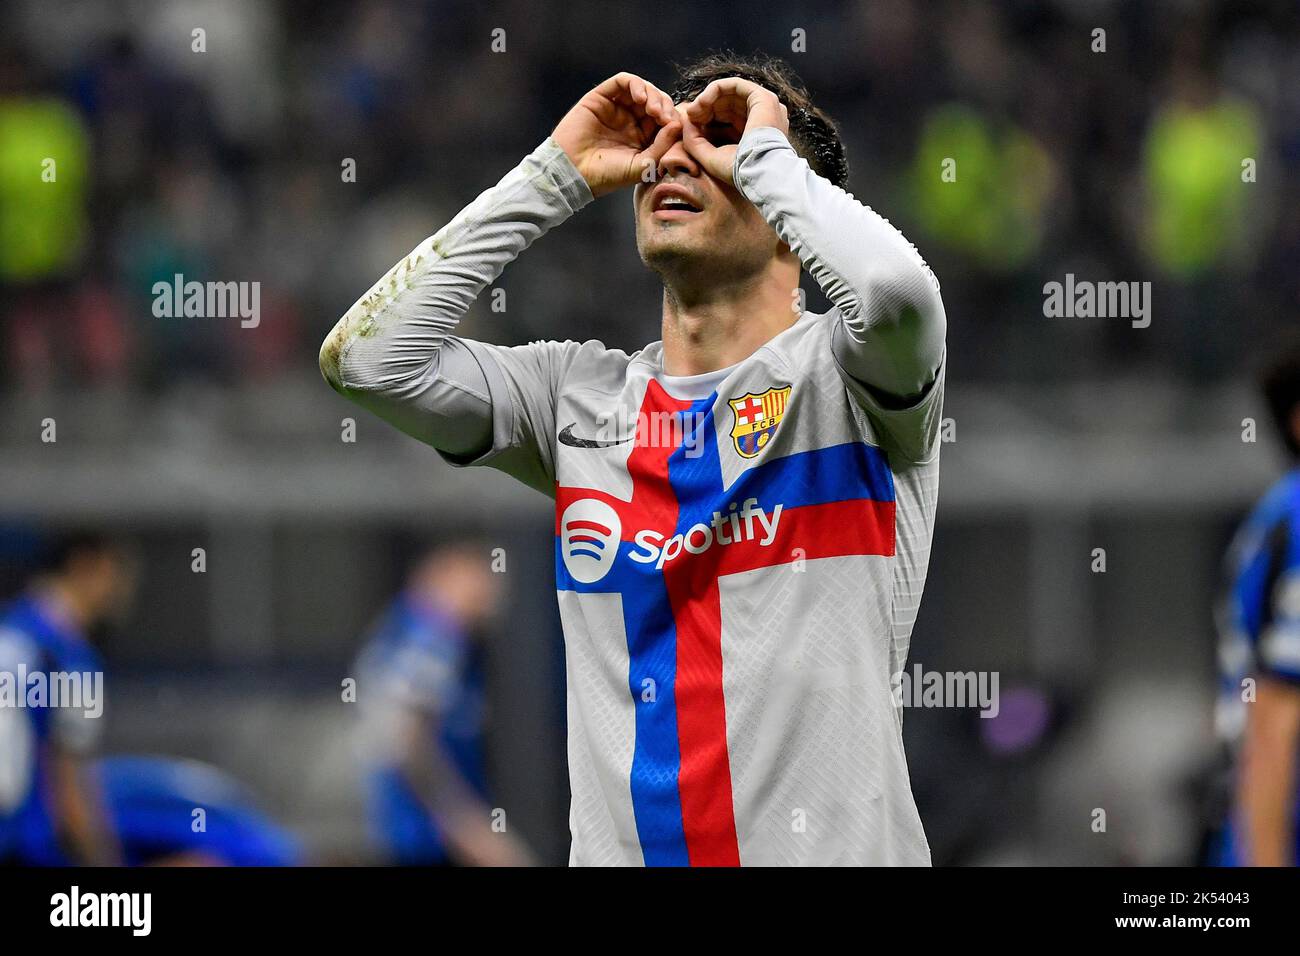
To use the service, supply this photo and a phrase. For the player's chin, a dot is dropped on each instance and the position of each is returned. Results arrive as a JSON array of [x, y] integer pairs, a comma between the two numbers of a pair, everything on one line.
[[667, 250], [678, 234]]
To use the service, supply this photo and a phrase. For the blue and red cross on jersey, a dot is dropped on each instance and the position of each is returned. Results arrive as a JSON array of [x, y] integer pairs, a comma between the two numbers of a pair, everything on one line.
[[664, 551]]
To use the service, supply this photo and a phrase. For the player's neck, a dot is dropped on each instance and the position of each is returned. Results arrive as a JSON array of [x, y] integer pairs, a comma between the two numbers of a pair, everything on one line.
[[705, 330]]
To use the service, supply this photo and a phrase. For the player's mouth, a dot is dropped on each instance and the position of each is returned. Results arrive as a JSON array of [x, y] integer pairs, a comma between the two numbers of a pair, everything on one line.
[[669, 201]]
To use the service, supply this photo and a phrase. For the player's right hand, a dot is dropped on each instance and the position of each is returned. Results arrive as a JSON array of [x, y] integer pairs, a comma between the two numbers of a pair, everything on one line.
[[617, 131]]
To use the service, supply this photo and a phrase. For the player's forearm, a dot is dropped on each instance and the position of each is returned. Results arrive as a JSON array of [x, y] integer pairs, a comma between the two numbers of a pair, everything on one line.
[[83, 815], [392, 335], [893, 329], [1264, 795], [473, 840], [1266, 775], [464, 819]]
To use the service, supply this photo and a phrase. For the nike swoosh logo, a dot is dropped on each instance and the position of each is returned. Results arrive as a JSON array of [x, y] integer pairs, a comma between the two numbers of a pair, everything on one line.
[[568, 438]]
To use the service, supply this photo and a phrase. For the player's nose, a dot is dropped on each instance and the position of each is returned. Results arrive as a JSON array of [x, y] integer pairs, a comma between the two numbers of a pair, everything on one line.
[[677, 160]]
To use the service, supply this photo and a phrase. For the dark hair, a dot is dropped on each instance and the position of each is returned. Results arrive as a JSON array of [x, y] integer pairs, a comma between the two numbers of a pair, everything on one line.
[[62, 548], [1281, 386], [813, 134]]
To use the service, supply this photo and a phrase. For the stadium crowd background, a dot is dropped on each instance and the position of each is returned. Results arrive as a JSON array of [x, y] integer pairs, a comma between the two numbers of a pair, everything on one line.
[[1071, 434]]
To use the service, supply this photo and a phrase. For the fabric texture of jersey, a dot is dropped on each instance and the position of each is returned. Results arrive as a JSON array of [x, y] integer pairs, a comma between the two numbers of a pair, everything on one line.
[[733, 607]]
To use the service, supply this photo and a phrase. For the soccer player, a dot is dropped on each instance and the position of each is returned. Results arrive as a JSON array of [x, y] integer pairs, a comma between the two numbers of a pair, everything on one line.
[[52, 810], [151, 802], [743, 509], [1260, 642], [421, 691]]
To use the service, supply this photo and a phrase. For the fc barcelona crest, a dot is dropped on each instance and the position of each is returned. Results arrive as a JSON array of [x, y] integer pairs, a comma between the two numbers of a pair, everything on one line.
[[754, 419]]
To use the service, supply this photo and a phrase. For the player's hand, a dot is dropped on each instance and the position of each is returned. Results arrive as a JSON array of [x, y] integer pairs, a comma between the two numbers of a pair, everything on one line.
[[617, 131], [723, 112]]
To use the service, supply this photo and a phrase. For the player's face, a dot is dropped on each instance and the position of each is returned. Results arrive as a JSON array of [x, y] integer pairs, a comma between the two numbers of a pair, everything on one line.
[[107, 581], [687, 218]]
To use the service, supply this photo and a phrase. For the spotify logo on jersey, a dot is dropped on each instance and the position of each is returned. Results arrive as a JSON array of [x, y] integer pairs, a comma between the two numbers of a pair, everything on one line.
[[589, 535]]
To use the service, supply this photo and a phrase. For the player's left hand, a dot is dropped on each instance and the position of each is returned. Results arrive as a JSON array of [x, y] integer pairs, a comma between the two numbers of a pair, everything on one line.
[[618, 130], [732, 107]]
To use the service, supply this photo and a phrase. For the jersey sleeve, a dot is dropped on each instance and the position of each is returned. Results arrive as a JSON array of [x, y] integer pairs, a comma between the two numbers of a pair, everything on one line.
[[423, 675], [411, 672], [395, 354], [18, 730], [888, 340], [1277, 645], [911, 431], [518, 395]]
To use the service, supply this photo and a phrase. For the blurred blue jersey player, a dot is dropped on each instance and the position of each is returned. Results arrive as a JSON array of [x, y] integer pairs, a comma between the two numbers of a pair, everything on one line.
[[152, 801], [1259, 657], [51, 805], [420, 687]]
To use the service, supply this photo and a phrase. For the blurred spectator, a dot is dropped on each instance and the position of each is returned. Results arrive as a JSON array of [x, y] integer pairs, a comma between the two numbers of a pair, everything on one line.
[[44, 160], [44, 173], [228, 164], [1198, 205], [982, 188]]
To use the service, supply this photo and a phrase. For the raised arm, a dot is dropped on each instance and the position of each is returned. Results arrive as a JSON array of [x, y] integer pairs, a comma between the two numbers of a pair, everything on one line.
[[891, 337], [394, 352]]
